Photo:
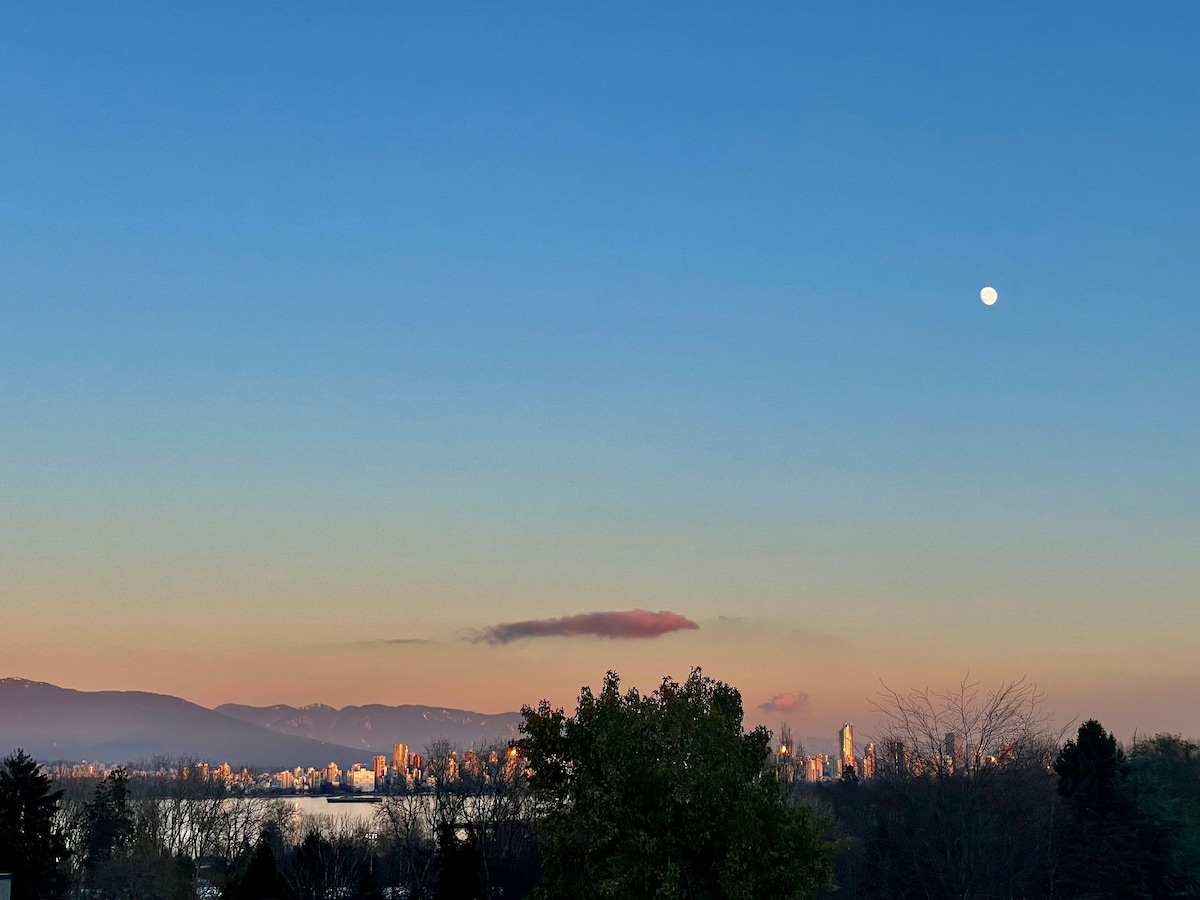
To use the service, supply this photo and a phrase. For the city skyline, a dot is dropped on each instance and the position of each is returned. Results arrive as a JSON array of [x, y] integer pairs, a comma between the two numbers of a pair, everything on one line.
[[459, 356]]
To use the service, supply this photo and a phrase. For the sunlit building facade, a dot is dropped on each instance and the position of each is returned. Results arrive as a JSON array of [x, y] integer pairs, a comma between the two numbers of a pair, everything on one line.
[[845, 747]]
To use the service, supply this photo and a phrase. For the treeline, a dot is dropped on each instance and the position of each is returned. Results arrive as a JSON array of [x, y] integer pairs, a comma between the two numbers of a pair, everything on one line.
[[1094, 823], [974, 796], [662, 795]]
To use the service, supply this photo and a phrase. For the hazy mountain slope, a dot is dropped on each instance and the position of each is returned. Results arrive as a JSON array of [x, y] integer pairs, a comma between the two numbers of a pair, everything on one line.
[[54, 723], [375, 728]]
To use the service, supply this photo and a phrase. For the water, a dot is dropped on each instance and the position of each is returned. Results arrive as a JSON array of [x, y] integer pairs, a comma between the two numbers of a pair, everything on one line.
[[352, 814]]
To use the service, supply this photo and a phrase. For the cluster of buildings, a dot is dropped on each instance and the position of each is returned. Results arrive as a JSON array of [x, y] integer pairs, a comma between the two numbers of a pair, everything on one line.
[[954, 756], [404, 772], [795, 765], [407, 771]]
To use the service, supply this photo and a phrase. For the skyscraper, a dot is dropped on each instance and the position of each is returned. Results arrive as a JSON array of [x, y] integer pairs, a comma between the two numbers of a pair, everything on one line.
[[846, 744], [868, 761], [400, 758], [786, 755], [955, 752]]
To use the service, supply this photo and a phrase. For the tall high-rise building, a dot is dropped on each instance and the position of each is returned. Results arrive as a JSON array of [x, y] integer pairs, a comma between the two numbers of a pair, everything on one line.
[[400, 757], [955, 751], [896, 758], [786, 755], [379, 765], [868, 761], [814, 768], [846, 744]]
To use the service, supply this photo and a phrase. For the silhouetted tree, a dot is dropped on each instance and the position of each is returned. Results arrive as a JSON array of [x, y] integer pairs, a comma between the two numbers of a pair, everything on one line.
[[459, 866], [963, 731], [260, 880], [962, 803], [108, 819], [1166, 769], [32, 848], [332, 860], [666, 796], [407, 844], [1113, 849], [1091, 769], [930, 837]]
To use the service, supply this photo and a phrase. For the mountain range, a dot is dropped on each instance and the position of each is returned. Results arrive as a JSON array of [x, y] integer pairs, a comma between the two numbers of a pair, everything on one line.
[[375, 728], [60, 724]]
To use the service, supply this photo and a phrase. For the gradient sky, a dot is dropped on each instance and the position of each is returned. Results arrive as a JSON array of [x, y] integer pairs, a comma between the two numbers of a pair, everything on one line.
[[332, 337]]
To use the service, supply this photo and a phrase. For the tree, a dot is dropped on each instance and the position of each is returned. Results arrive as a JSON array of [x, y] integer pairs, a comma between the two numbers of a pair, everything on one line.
[[32, 848], [108, 819], [666, 796], [260, 880], [987, 837], [459, 866], [960, 731], [1090, 770], [123, 859], [408, 856], [955, 769], [1166, 769], [334, 859], [1115, 848]]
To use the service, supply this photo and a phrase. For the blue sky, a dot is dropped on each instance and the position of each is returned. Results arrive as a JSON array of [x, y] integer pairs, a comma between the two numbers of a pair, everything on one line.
[[449, 317]]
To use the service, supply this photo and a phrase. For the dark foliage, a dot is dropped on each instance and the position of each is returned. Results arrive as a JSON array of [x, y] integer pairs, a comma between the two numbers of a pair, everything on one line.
[[1166, 772], [260, 880], [459, 866], [1114, 845], [32, 849], [937, 837], [666, 796], [321, 867], [108, 820]]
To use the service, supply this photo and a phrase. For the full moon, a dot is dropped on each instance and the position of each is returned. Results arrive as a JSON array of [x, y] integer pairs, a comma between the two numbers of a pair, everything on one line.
[[989, 296]]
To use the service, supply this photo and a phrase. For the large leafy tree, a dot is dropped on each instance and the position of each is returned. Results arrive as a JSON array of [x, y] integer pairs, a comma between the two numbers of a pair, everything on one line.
[[32, 848], [666, 796]]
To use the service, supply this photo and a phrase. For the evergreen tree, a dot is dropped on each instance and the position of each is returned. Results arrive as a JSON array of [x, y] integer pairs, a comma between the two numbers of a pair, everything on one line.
[[108, 819], [32, 848], [1113, 848], [1091, 769], [458, 866], [261, 879]]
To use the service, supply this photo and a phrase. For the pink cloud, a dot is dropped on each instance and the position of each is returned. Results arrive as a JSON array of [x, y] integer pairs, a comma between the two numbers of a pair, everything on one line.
[[635, 623], [787, 702]]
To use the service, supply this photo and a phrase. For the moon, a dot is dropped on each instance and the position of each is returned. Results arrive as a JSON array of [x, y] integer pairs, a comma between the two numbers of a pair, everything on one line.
[[989, 296]]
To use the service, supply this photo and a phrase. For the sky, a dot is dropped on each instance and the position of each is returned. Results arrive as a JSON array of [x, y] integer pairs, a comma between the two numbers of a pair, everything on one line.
[[458, 353]]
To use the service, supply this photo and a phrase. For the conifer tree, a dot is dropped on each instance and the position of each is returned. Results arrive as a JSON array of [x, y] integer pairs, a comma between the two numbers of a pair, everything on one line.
[[32, 847]]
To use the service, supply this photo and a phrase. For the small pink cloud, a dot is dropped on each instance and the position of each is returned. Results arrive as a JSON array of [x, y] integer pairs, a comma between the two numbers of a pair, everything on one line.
[[630, 625], [787, 702]]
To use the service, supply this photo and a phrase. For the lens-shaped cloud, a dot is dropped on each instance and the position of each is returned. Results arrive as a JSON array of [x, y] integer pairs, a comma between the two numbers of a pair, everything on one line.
[[632, 624], [787, 702]]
